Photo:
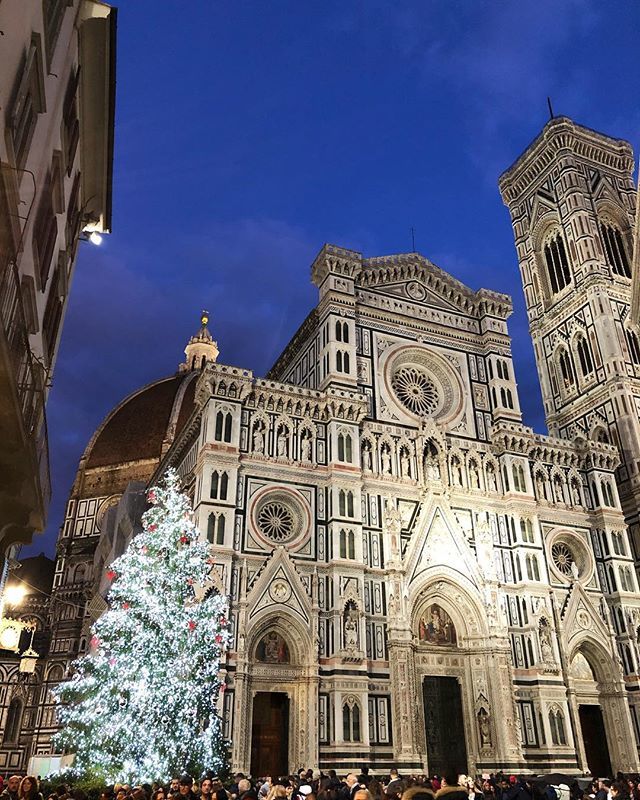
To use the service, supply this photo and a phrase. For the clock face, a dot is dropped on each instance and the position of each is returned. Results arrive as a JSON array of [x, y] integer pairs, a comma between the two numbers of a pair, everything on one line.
[[10, 637]]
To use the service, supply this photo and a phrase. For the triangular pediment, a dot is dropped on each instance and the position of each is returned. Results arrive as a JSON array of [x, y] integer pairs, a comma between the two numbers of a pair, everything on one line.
[[416, 292], [279, 585], [580, 618], [414, 278], [439, 542], [541, 206]]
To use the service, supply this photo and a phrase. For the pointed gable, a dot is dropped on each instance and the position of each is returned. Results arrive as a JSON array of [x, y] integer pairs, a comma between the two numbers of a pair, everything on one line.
[[279, 584]]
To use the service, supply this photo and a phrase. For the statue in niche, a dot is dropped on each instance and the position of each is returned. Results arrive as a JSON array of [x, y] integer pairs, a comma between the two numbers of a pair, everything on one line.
[[350, 623], [305, 447], [456, 472], [366, 456], [404, 464], [282, 443], [557, 490], [272, 649], [575, 492], [492, 481], [436, 627], [484, 728], [474, 475], [431, 462], [385, 458], [546, 647], [541, 491], [258, 439]]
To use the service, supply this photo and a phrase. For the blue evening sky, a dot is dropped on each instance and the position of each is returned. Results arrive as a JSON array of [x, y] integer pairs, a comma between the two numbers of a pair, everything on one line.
[[250, 133]]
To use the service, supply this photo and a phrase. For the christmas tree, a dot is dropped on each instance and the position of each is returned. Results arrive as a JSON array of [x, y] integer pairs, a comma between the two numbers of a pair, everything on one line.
[[142, 704]]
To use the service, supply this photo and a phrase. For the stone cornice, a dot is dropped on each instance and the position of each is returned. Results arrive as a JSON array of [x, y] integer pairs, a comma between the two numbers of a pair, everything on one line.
[[581, 453], [563, 134]]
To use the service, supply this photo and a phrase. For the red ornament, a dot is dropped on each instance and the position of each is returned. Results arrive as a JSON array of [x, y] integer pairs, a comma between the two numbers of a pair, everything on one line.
[[217, 638], [222, 622], [184, 539], [145, 550], [151, 497], [125, 606], [211, 560], [111, 574], [95, 642], [222, 686], [189, 581], [192, 625], [112, 661], [152, 528]]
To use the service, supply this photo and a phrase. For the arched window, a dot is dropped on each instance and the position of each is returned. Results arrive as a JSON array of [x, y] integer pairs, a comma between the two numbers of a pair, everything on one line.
[[536, 571], [615, 249], [555, 257], [519, 483], [224, 485], [509, 398], [556, 723], [634, 347], [223, 427], [351, 542], [14, 721], [342, 503], [566, 370], [351, 722], [214, 485], [338, 331], [211, 528], [584, 356], [529, 568], [339, 361], [343, 544], [345, 447], [220, 530], [345, 363], [350, 511], [526, 530]]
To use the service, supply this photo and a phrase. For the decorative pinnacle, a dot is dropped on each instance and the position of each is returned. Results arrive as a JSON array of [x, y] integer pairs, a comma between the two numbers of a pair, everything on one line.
[[204, 318]]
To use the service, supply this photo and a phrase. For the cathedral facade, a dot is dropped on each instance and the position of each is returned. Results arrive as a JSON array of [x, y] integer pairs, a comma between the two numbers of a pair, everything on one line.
[[416, 578]]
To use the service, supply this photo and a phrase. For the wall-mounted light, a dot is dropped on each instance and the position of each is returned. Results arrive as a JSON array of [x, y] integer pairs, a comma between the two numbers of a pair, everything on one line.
[[95, 238]]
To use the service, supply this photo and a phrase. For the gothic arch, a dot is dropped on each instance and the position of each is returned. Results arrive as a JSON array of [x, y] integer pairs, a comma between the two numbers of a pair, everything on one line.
[[301, 648], [463, 606]]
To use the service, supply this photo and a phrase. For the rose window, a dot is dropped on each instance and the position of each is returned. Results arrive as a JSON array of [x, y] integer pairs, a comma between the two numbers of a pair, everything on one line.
[[563, 557], [276, 522], [415, 390]]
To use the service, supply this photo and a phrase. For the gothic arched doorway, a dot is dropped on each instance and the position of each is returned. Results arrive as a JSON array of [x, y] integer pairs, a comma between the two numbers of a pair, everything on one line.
[[276, 699]]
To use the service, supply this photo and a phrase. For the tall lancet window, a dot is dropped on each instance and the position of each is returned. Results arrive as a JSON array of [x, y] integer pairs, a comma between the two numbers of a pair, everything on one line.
[[555, 256], [615, 249]]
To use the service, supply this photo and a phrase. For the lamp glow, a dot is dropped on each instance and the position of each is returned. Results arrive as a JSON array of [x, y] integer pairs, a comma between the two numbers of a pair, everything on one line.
[[95, 238], [14, 594]]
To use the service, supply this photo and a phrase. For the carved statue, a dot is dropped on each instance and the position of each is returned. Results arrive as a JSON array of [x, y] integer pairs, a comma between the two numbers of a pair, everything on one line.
[[540, 487], [404, 464], [385, 458], [484, 728], [575, 492], [456, 472], [557, 491], [366, 452], [492, 482], [258, 440], [474, 476], [351, 630], [546, 648], [305, 448], [282, 443]]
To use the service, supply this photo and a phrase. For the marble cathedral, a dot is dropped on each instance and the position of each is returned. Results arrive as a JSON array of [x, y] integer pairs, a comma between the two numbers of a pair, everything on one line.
[[416, 578]]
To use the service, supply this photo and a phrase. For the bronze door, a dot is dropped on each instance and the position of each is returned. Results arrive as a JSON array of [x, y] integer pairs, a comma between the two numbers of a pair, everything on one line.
[[595, 740], [270, 735], [444, 726]]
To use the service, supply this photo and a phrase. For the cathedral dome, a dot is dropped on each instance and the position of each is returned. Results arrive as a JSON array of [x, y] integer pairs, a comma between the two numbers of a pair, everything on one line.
[[143, 425]]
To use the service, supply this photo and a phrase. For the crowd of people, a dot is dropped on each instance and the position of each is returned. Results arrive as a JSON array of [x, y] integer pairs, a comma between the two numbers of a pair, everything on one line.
[[317, 785]]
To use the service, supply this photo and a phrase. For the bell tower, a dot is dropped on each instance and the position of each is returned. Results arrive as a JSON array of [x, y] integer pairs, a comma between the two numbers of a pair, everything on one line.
[[571, 198]]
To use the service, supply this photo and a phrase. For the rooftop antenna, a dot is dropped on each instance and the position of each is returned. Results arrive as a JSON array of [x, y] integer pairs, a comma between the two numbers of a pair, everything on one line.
[[413, 240], [551, 114]]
